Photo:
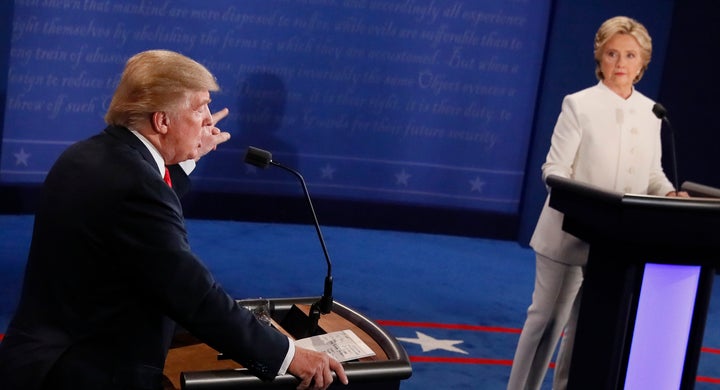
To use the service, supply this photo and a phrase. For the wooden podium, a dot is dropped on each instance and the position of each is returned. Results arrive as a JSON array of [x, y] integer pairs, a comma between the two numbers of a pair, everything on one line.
[[192, 364], [647, 285]]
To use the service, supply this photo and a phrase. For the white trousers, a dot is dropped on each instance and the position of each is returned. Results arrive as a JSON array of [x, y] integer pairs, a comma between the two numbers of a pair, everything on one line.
[[554, 308]]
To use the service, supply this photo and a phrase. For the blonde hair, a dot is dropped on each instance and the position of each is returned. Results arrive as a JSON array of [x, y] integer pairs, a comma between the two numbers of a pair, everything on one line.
[[623, 25], [153, 81]]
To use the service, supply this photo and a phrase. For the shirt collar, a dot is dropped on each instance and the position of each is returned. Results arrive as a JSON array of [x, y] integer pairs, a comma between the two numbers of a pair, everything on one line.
[[618, 97], [153, 151]]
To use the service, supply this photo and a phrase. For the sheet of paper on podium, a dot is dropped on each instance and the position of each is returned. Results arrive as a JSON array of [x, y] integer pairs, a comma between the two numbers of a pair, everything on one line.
[[343, 345]]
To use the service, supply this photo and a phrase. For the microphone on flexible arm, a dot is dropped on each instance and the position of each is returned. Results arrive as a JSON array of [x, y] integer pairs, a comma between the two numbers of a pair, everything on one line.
[[262, 159], [661, 113]]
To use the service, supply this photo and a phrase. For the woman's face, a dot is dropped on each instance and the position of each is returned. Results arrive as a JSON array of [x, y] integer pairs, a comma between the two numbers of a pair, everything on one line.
[[620, 62]]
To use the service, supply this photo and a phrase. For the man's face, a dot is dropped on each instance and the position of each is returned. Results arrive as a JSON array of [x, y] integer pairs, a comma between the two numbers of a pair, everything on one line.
[[186, 127]]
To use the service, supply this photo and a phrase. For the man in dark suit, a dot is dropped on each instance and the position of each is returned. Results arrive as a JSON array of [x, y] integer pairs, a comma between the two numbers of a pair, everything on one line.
[[110, 270]]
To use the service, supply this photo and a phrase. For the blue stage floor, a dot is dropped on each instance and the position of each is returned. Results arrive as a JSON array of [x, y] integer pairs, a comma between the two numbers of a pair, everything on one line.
[[456, 303]]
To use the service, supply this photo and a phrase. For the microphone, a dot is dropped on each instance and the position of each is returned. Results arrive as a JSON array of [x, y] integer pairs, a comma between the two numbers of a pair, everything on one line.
[[262, 159], [661, 113]]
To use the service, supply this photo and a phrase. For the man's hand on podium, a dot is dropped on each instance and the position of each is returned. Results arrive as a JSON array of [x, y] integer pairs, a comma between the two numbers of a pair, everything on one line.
[[315, 369]]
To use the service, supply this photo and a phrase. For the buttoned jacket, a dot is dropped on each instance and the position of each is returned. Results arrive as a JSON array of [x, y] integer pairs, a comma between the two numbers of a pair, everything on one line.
[[607, 141]]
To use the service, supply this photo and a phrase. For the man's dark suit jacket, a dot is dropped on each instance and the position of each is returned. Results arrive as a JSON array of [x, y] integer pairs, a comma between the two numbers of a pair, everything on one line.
[[109, 268]]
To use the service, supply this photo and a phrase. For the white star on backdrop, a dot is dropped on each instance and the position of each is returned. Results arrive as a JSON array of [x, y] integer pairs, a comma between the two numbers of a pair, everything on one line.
[[21, 158], [476, 185], [402, 178], [328, 172], [429, 343]]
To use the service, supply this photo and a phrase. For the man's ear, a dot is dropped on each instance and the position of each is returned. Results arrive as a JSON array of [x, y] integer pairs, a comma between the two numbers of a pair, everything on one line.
[[160, 122]]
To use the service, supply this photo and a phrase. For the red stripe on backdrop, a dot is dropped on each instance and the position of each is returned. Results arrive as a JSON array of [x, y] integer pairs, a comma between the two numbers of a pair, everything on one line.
[[410, 324]]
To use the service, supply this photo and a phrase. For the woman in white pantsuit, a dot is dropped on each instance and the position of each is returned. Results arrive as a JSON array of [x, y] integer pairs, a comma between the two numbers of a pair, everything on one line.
[[607, 136]]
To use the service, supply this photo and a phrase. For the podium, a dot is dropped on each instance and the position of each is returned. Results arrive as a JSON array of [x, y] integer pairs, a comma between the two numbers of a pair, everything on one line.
[[647, 285], [193, 365]]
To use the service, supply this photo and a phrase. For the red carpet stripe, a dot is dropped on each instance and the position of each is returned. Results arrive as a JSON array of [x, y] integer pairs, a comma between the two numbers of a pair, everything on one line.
[[478, 328], [706, 379], [429, 359], [507, 362], [495, 362], [484, 361]]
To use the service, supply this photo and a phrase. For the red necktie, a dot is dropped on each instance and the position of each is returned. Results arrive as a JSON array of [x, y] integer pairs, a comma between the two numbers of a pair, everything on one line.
[[167, 177]]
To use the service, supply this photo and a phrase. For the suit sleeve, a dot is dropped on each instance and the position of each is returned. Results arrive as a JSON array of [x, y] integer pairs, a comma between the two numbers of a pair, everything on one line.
[[564, 143], [152, 242]]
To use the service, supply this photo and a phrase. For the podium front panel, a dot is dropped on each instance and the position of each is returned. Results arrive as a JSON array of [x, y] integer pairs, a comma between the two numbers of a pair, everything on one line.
[[662, 326], [647, 285]]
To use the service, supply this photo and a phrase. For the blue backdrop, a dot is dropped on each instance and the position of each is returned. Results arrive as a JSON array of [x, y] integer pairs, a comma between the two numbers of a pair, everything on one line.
[[418, 102], [419, 135]]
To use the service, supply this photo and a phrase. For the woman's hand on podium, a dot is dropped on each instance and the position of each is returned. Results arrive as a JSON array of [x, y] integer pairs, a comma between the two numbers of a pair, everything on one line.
[[678, 194], [315, 369]]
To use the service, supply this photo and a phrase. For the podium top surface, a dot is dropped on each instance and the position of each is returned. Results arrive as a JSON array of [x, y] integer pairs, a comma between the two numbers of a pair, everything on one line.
[[655, 223], [705, 200], [195, 365]]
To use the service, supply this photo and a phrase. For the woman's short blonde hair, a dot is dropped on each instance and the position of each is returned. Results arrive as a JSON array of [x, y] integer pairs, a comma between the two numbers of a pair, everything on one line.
[[154, 81], [623, 25]]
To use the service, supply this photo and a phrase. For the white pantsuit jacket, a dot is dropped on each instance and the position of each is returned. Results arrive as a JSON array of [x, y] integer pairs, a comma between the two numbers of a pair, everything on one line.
[[603, 140]]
